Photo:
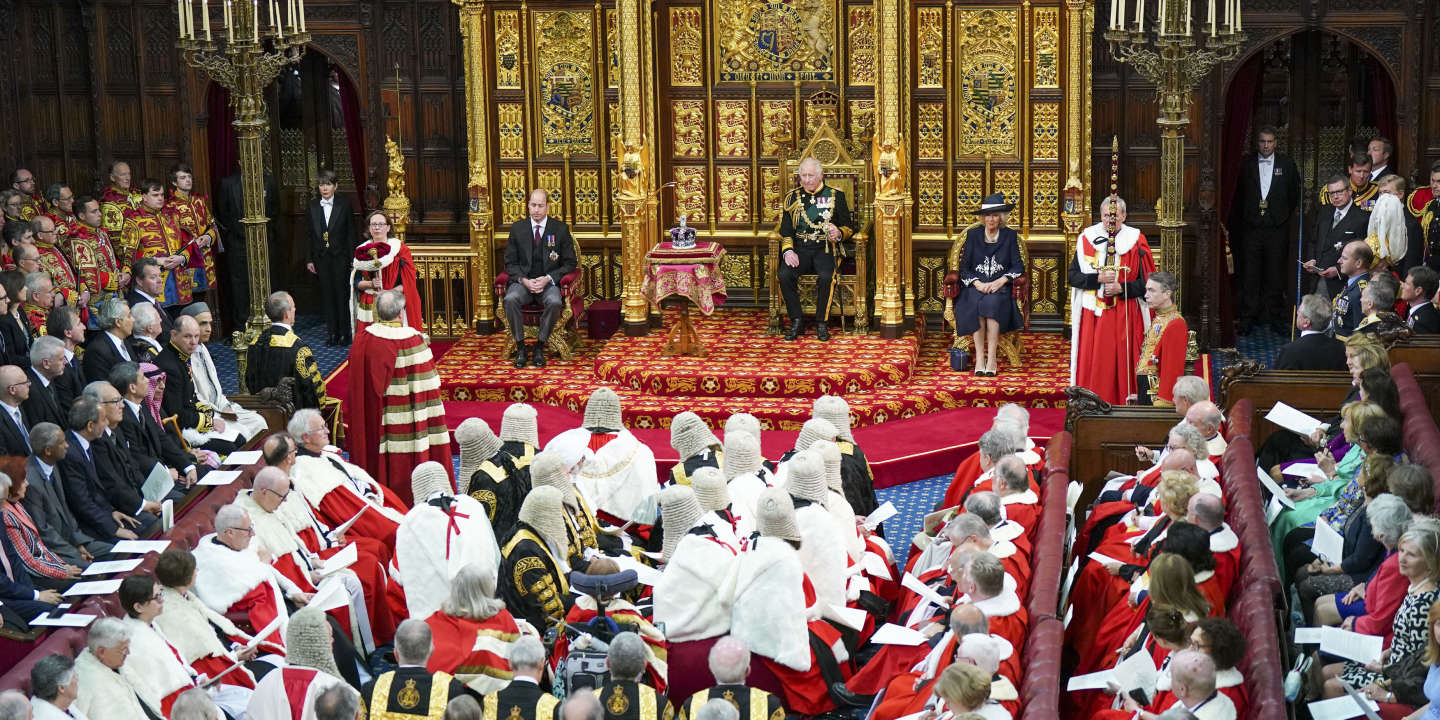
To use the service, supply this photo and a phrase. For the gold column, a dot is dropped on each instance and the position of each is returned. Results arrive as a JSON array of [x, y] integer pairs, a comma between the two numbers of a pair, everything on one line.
[[634, 197], [1075, 202], [892, 196], [478, 43]]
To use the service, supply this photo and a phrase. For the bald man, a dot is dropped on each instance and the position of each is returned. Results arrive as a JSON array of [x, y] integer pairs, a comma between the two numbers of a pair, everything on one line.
[[538, 255], [201, 425], [730, 664], [1206, 417]]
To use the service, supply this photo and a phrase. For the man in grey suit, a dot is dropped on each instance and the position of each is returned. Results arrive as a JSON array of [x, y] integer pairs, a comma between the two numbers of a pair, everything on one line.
[[48, 503]]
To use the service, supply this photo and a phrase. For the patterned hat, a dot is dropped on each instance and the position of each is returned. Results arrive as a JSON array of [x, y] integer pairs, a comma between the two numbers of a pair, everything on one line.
[[679, 511], [806, 479], [829, 454], [427, 478], [548, 470], [710, 488], [518, 425], [477, 444], [307, 641], [814, 429], [775, 515], [742, 422], [742, 455], [837, 411], [602, 410], [544, 510], [690, 436]]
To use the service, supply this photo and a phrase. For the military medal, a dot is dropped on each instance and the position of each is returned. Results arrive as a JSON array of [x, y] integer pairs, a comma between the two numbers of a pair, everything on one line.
[[550, 243], [1264, 203]]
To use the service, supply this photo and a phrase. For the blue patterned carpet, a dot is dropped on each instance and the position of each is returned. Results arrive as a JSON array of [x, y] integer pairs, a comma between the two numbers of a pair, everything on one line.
[[311, 329], [913, 500]]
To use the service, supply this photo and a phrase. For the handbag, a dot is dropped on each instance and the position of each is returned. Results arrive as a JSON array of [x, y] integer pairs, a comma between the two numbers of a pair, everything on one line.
[[959, 360]]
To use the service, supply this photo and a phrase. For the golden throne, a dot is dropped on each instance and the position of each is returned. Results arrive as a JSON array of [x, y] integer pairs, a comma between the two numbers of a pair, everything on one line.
[[566, 333], [847, 167], [1011, 342]]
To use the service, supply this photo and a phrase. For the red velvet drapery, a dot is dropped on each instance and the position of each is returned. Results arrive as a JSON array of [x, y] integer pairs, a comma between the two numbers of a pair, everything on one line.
[[1239, 104], [224, 150], [354, 135]]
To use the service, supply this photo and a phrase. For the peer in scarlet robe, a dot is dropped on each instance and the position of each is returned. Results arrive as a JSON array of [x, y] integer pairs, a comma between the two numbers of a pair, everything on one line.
[[397, 420], [195, 629], [290, 693], [340, 491], [1162, 358], [910, 692], [280, 353], [970, 479], [230, 580], [388, 265], [1108, 331], [476, 652]]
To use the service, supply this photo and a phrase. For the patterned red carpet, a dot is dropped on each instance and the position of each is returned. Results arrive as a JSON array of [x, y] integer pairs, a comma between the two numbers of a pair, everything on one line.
[[750, 371]]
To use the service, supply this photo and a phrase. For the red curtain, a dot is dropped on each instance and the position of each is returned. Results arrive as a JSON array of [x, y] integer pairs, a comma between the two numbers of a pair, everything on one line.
[[1235, 141], [224, 149], [1382, 99], [354, 136]]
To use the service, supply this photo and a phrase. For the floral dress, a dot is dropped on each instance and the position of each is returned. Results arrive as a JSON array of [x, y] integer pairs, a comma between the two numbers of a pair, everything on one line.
[[1410, 636]]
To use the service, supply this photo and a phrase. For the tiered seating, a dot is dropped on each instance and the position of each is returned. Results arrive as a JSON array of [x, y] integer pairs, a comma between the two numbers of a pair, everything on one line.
[[1040, 685]]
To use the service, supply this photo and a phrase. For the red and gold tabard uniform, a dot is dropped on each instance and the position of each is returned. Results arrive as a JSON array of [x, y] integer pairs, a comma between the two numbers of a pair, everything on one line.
[[35, 319], [114, 203], [31, 208], [93, 259], [157, 234], [197, 219], [54, 263], [1162, 357], [64, 223]]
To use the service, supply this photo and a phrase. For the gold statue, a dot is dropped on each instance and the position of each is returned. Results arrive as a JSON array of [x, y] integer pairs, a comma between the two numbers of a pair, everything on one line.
[[890, 163], [633, 171], [396, 204]]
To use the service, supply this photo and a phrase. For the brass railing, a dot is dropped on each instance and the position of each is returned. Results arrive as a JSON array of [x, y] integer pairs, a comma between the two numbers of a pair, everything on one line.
[[447, 288]]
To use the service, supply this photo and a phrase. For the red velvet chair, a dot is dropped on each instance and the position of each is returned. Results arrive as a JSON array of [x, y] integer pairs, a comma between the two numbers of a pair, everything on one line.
[[567, 328]]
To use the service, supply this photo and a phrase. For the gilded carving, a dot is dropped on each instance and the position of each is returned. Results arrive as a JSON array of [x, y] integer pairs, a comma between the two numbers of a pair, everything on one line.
[[510, 124], [775, 40], [771, 191], [931, 128], [612, 51], [732, 128], [594, 276], [686, 52], [1045, 194], [1044, 285], [735, 268], [733, 194], [612, 117], [512, 193], [687, 127], [1007, 183], [1047, 47], [690, 193], [861, 30], [862, 120], [931, 281], [969, 191], [1045, 125], [988, 50], [930, 33], [564, 61], [587, 196], [507, 49], [777, 127], [553, 182], [930, 197]]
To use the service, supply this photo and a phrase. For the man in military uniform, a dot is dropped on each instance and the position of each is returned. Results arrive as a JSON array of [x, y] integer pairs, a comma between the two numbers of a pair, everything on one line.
[[814, 220], [411, 691], [199, 423], [1424, 207], [153, 230], [623, 696], [523, 698], [280, 353], [730, 664], [1364, 189], [1355, 261], [488, 475], [193, 212], [92, 256], [54, 262], [23, 182], [117, 198]]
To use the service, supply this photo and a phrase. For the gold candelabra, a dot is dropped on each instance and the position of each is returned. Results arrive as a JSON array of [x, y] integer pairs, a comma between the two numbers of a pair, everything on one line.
[[245, 61], [1174, 51]]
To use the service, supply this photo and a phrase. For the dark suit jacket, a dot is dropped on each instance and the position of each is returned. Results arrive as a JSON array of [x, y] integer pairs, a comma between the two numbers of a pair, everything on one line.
[[123, 482], [16, 339], [49, 506], [71, 384], [43, 405], [1326, 242], [521, 699], [101, 356], [341, 229], [86, 491], [149, 444], [166, 322], [11, 441], [179, 398], [1280, 203], [230, 208], [1312, 352], [142, 350], [520, 248], [1425, 319], [18, 592]]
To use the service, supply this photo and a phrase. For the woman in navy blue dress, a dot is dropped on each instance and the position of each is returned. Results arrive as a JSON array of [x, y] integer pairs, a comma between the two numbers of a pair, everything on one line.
[[985, 306]]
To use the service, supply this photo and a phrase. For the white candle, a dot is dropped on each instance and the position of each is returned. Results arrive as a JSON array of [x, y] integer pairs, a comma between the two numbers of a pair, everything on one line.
[[255, 33], [1114, 7], [189, 20], [205, 17], [1188, 16], [1238, 24], [302, 16], [1163, 16], [1211, 16], [180, 17], [229, 23], [1140, 16], [279, 23]]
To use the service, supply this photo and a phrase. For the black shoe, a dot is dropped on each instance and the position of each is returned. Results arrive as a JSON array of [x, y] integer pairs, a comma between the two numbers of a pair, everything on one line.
[[842, 696], [520, 355], [795, 331], [822, 332], [537, 356]]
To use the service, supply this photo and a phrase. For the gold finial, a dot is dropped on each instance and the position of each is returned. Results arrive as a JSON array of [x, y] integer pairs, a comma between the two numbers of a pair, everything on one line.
[[1114, 166]]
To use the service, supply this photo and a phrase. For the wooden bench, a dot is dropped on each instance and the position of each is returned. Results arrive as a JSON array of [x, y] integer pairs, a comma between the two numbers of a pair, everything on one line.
[[1040, 656]]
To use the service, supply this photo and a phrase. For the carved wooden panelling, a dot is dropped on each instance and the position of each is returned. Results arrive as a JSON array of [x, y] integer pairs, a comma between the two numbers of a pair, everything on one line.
[[1045, 123], [513, 190], [1007, 182], [433, 34], [1047, 48], [861, 31], [777, 127], [507, 49], [553, 181], [772, 197], [690, 193], [732, 128], [119, 44], [564, 56], [862, 120], [930, 68], [612, 51], [687, 50], [733, 194], [930, 283], [687, 128], [42, 48], [1045, 190], [160, 56], [969, 191]]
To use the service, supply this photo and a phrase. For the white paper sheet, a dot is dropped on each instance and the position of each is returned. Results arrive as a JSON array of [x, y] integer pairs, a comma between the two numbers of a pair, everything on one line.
[[110, 567], [140, 547], [892, 634], [167, 515], [1307, 636], [157, 484], [1105, 559], [875, 565], [1362, 649], [913, 584], [329, 595], [66, 620], [881, 514], [1328, 544], [1340, 708], [1301, 469], [220, 477], [243, 457], [1091, 681], [1293, 420], [1136, 671], [93, 587], [340, 560], [1275, 490], [853, 618], [1273, 509], [342, 527], [259, 637], [645, 574]]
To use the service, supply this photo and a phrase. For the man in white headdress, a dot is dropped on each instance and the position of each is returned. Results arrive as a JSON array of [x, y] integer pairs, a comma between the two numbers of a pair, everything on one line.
[[619, 477], [207, 378], [289, 693], [440, 535], [823, 550], [551, 469], [720, 514], [696, 445], [520, 435], [745, 471], [813, 429], [339, 490], [488, 474]]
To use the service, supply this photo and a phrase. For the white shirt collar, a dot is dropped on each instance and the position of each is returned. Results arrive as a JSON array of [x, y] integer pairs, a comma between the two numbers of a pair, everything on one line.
[[540, 224], [1303, 333], [134, 407], [48, 469], [148, 297], [1266, 158], [44, 381], [80, 440]]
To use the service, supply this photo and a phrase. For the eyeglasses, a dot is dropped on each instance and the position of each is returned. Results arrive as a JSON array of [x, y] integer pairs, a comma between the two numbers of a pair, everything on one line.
[[246, 530], [279, 495], [116, 401], [22, 383], [379, 224]]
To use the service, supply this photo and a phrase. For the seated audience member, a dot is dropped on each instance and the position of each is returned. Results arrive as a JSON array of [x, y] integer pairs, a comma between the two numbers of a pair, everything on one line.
[[14, 329], [105, 689], [1225, 644], [1003, 438], [124, 483], [519, 436], [200, 423], [533, 560], [523, 698], [204, 639], [64, 324], [309, 671], [1377, 302], [964, 688], [280, 353], [442, 533], [1172, 582], [623, 695], [20, 600], [1362, 352], [47, 364], [50, 505], [1193, 683], [1414, 484], [858, 480], [729, 663], [488, 474], [745, 472], [1370, 536], [87, 491], [207, 378], [153, 668], [44, 568], [696, 445], [145, 336], [618, 478], [14, 419], [581, 706], [195, 704], [140, 432], [1378, 610], [54, 686], [551, 468], [474, 633], [1314, 349], [391, 693], [1164, 633], [337, 489], [110, 346], [40, 293], [338, 703], [231, 576], [1418, 291]]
